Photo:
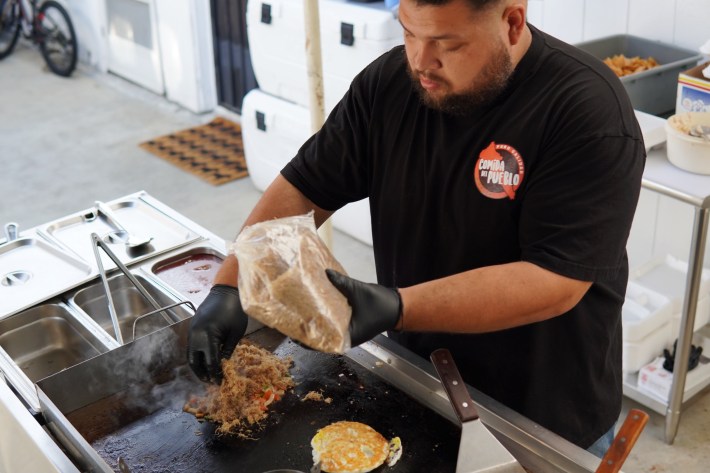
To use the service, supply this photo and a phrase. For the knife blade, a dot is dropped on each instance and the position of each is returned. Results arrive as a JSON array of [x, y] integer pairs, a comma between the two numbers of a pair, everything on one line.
[[479, 450]]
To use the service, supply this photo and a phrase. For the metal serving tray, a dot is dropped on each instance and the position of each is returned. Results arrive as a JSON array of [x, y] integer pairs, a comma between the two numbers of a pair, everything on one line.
[[137, 214], [188, 273], [130, 306], [32, 270], [43, 340]]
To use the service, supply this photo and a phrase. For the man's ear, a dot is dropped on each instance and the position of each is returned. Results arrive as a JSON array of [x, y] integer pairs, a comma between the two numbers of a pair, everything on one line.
[[514, 16]]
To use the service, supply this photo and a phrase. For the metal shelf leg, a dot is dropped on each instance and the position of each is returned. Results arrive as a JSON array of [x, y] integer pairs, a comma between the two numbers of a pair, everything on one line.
[[687, 322]]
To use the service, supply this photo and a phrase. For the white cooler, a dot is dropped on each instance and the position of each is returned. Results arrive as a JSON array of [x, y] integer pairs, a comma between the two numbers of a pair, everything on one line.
[[352, 36], [273, 130]]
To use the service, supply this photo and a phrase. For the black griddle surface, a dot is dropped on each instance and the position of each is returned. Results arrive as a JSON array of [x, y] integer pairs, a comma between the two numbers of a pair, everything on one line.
[[160, 437]]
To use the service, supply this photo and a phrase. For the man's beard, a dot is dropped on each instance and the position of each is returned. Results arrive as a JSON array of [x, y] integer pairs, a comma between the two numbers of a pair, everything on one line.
[[488, 85]]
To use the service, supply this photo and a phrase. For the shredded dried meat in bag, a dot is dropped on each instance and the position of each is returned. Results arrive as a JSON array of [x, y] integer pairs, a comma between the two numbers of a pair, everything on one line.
[[282, 282]]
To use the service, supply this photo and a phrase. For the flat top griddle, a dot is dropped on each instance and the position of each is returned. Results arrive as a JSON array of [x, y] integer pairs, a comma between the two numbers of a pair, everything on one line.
[[148, 428]]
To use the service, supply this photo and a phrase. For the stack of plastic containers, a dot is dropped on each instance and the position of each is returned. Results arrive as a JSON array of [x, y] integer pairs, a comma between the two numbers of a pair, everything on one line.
[[651, 319], [646, 322], [275, 117]]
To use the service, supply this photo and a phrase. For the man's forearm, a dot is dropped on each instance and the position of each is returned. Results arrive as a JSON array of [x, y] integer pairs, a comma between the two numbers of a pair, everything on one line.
[[489, 299]]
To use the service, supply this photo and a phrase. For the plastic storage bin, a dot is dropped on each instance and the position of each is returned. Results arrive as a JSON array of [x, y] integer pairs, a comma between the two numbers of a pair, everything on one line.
[[352, 36], [273, 131], [652, 91], [638, 353], [668, 276], [644, 311]]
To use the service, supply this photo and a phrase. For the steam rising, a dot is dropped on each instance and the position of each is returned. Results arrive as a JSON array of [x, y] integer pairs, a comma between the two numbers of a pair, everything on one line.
[[154, 371]]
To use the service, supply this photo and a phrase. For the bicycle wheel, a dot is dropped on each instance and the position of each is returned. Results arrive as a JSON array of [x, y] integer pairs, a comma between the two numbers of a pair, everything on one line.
[[57, 40], [9, 26]]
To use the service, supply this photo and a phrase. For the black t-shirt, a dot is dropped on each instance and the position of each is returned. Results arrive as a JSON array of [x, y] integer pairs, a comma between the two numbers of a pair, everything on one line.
[[549, 174]]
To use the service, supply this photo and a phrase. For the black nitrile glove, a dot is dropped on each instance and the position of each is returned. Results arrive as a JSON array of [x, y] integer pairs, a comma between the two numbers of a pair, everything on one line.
[[375, 308], [693, 357], [215, 330]]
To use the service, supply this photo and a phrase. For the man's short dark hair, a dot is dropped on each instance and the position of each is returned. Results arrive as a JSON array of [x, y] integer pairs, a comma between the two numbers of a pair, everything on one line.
[[475, 4]]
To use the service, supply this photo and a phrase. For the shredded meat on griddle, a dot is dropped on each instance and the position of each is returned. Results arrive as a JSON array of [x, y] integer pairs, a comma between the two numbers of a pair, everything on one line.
[[254, 378]]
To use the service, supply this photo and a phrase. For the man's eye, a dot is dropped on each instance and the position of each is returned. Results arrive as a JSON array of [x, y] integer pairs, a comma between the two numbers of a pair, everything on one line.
[[453, 48]]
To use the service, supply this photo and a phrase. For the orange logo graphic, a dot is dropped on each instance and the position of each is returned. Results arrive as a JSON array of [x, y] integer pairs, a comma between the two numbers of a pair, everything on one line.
[[499, 171]]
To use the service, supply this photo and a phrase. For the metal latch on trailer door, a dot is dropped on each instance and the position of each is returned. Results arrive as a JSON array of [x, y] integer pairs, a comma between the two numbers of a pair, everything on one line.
[[346, 34], [261, 121], [266, 13]]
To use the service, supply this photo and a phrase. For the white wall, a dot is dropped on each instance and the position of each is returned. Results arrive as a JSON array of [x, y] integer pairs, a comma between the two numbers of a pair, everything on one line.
[[89, 19], [685, 23]]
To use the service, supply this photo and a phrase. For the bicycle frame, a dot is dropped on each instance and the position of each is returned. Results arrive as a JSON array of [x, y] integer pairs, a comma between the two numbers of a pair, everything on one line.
[[28, 17], [27, 10]]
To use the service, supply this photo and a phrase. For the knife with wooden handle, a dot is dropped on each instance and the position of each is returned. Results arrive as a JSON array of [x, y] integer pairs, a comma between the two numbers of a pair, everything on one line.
[[623, 442]]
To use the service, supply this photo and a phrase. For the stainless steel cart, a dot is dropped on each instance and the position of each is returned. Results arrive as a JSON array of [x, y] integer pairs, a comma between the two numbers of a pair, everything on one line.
[[694, 189]]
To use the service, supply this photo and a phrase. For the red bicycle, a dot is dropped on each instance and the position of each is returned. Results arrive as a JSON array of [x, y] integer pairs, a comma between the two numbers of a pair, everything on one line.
[[47, 25]]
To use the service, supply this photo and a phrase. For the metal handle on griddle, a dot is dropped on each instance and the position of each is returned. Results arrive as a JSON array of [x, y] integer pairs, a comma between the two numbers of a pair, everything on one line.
[[98, 242]]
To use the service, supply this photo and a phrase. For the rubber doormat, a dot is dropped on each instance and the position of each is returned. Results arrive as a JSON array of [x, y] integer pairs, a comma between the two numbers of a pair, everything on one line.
[[213, 152]]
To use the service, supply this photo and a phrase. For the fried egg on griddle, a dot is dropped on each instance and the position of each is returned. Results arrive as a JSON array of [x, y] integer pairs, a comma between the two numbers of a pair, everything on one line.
[[349, 447]]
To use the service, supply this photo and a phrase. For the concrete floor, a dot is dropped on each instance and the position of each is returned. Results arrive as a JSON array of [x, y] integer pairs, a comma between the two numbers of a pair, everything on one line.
[[66, 143]]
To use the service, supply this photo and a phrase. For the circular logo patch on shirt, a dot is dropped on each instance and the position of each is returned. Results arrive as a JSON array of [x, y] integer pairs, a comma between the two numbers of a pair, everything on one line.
[[499, 171]]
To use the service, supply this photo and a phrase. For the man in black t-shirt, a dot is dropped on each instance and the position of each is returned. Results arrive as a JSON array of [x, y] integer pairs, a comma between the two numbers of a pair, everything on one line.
[[503, 169]]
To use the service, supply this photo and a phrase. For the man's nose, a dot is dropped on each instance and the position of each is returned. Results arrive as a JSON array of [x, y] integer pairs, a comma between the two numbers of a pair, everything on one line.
[[424, 58]]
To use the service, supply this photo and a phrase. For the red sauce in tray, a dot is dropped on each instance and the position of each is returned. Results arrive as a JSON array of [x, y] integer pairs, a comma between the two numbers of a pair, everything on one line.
[[192, 276]]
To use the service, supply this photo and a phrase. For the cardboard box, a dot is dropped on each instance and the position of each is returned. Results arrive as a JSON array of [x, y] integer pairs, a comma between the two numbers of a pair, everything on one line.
[[656, 381], [693, 91]]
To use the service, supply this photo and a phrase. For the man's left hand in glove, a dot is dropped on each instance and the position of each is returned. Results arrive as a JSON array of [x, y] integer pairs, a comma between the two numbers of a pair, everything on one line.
[[375, 308]]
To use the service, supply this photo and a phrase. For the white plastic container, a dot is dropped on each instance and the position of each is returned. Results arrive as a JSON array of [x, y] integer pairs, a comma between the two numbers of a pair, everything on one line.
[[687, 152], [668, 277], [354, 219], [653, 129], [643, 312], [702, 339], [273, 130], [352, 36], [636, 354]]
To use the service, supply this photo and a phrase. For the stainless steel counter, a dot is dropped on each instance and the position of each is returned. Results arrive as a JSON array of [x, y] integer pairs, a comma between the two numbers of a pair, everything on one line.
[[535, 447]]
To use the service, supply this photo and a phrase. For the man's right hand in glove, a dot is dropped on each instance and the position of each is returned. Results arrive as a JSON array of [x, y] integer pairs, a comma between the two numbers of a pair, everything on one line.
[[215, 330]]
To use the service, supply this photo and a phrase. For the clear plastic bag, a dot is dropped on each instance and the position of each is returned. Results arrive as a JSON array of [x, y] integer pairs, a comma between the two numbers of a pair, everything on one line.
[[282, 282]]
